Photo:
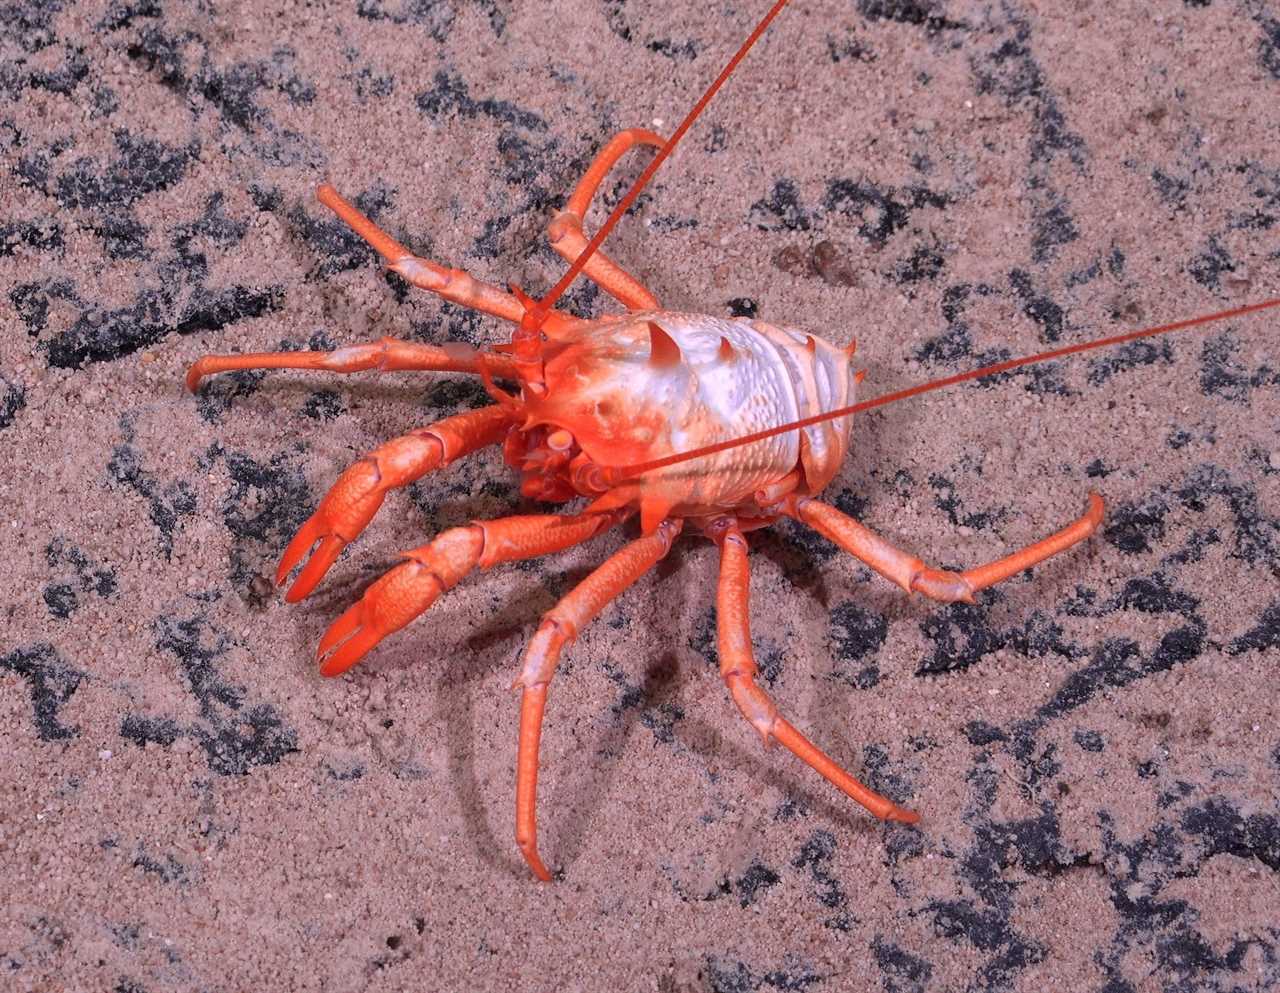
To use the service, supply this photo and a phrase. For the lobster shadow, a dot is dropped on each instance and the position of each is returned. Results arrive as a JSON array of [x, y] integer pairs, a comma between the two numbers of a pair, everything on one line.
[[581, 791], [777, 769], [481, 657], [585, 786], [579, 788]]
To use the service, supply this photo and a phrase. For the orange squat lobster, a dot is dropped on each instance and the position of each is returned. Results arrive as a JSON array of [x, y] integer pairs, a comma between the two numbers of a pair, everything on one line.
[[621, 390], [727, 425]]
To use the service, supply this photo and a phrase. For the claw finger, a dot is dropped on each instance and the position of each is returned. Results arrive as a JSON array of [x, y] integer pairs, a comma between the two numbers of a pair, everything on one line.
[[307, 536], [351, 652], [387, 606], [341, 629], [331, 547]]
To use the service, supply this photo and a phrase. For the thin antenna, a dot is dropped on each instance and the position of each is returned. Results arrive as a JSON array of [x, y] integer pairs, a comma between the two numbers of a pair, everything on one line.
[[616, 474], [547, 302]]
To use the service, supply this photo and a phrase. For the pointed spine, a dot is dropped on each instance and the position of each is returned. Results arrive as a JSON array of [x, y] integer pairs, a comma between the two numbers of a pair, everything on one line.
[[664, 353]]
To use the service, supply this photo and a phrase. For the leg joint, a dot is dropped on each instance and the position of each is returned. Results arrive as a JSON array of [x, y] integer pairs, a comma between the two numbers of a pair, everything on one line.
[[452, 554], [544, 652], [564, 222], [753, 702], [943, 585]]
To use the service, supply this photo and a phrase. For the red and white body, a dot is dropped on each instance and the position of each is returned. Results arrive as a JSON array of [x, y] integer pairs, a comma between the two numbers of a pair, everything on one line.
[[598, 401], [626, 401]]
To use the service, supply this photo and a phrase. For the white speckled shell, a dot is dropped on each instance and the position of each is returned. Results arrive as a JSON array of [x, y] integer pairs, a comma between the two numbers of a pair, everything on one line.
[[776, 377]]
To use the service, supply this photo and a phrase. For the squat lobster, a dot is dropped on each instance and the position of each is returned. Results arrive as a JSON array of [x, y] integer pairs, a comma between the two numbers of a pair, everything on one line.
[[596, 397]]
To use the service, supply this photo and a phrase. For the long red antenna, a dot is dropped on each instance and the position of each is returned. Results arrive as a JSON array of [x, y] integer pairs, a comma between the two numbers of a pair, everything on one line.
[[544, 305], [615, 474]]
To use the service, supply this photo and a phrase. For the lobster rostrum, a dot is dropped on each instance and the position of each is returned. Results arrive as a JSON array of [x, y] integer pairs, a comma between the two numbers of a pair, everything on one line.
[[721, 425]]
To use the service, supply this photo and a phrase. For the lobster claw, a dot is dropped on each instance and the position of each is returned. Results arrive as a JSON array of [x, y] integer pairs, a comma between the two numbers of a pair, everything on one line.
[[387, 606], [345, 511]]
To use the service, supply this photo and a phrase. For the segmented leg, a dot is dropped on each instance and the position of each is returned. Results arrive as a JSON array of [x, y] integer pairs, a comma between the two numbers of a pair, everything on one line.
[[350, 504], [387, 355], [912, 574], [568, 239], [560, 626], [738, 670], [411, 587], [452, 284]]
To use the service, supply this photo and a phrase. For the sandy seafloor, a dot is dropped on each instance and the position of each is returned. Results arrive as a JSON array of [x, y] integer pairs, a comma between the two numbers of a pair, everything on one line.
[[185, 805]]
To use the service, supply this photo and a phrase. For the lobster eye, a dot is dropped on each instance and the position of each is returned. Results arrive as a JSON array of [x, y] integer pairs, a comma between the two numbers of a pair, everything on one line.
[[560, 440]]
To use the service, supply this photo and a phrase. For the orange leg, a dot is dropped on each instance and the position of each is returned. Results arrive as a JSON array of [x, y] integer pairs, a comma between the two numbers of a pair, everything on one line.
[[738, 670], [387, 355], [912, 574], [350, 504], [567, 238], [452, 284], [413, 586], [559, 627]]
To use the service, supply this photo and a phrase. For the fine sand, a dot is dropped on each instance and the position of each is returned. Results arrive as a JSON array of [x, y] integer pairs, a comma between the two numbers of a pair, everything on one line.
[[186, 805]]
